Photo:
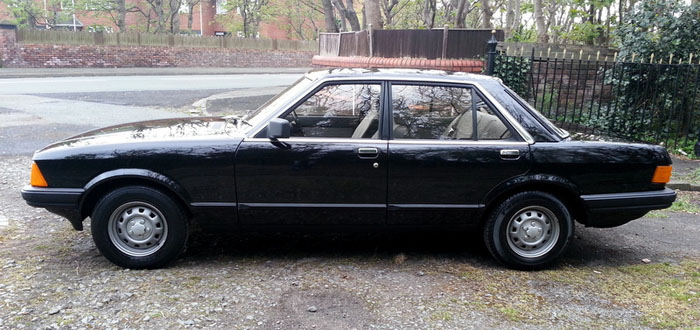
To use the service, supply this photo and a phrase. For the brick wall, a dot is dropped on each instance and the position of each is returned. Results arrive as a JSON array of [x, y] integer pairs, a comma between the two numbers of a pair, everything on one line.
[[8, 47], [475, 66], [17, 55]]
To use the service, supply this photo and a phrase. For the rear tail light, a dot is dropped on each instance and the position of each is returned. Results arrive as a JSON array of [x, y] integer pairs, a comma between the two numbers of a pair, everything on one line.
[[662, 174], [37, 179]]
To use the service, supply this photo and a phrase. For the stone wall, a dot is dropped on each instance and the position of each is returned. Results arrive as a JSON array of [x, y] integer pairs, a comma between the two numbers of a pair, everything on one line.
[[20, 55]]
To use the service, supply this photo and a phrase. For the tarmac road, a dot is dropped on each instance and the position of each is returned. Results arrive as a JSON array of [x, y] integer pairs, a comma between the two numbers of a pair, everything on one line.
[[37, 111]]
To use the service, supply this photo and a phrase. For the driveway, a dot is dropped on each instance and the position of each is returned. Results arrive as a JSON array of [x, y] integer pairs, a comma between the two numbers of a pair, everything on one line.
[[645, 274]]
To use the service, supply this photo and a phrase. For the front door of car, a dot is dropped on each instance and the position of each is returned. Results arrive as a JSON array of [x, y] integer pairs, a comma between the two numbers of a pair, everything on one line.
[[448, 149], [330, 171]]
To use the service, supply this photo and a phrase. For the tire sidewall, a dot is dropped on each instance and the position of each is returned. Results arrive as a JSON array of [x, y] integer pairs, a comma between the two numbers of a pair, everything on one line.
[[174, 217], [498, 231]]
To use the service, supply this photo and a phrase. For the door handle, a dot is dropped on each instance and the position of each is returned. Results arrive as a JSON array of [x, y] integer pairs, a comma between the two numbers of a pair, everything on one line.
[[510, 154], [368, 153]]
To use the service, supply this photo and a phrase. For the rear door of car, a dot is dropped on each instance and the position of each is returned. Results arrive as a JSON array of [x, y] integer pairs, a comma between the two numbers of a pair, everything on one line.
[[331, 171], [448, 147]]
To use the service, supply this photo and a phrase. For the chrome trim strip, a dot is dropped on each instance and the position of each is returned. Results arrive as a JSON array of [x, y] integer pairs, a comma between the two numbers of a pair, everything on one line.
[[213, 204], [381, 142], [436, 206], [310, 205], [319, 139], [461, 142]]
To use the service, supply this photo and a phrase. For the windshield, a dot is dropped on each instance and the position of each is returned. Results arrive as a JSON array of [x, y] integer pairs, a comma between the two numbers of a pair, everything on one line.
[[254, 118], [541, 118]]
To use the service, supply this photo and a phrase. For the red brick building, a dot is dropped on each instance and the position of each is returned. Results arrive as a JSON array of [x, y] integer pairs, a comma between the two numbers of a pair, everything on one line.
[[204, 20]]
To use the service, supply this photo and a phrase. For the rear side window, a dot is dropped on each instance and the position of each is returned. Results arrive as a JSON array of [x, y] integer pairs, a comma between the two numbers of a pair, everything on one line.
[[443, 113]]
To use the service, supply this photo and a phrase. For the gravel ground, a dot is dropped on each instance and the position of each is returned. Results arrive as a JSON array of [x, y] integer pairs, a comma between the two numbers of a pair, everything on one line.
[[53, 277]]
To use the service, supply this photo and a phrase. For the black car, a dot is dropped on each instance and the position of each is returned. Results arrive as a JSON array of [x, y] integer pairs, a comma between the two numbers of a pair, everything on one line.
[[351, 148]]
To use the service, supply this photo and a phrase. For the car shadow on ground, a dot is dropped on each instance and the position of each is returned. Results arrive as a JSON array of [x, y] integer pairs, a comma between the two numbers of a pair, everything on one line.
[[293, 245], [588, 248]]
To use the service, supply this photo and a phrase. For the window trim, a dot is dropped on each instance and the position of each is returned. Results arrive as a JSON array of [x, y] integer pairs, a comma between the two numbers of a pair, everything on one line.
[[515, 134], [384, 80], [300, 101]]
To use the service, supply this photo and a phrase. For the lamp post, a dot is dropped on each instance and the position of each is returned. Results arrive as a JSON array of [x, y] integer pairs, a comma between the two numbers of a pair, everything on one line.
[[74, 27]]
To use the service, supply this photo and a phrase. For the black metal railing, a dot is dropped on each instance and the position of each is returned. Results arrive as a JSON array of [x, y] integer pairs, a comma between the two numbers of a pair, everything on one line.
[[646, 102]]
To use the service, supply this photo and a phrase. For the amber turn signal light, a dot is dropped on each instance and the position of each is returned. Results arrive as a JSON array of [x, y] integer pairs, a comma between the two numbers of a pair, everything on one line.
[[662, 174], [37, 179]]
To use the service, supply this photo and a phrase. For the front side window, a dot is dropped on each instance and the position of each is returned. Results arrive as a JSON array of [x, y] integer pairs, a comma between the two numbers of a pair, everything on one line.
[[445, 113], [338, 111]]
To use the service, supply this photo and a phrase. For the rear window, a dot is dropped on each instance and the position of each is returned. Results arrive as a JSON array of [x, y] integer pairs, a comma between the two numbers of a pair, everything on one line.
[[541, 118]]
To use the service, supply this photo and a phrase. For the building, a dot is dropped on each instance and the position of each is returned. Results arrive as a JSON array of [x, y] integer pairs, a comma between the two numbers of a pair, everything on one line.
[[204, 20]]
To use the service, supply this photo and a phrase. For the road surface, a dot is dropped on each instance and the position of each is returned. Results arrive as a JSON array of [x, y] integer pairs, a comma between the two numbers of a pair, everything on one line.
[[37, 111]]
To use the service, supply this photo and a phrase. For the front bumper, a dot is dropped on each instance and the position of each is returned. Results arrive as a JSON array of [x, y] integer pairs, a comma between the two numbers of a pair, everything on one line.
[[610, 210], [61, 201]]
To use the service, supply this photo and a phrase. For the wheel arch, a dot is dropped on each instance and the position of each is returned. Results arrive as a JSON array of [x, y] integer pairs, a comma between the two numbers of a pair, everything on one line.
[[567, 192], [107, 181]]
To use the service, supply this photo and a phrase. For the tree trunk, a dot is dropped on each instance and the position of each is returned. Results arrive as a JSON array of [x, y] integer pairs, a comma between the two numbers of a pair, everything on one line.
[[373, 14], [190, 15], [348, 12], [513, 17], [488, 14], [329, 16], [429, 13], [121, 16], [352, 16], [461, 13], [539, 23]]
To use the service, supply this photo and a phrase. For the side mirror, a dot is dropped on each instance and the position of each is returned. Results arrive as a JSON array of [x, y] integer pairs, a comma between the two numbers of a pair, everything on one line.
[[278, 128]]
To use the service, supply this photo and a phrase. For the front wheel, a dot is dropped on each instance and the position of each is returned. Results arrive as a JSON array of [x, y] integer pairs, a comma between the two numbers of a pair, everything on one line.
[[139, 227], [529, 230]]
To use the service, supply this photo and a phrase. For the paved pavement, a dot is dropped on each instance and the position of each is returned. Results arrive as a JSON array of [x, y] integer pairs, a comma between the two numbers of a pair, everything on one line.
[[78, 72], [142, 83]]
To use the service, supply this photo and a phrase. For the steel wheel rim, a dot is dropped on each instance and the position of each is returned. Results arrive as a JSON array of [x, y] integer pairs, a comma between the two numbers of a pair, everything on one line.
[[532, 232], [137, 229]]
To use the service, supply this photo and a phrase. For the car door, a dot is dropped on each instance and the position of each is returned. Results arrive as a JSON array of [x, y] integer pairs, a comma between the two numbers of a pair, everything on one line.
[[330, 171], [448, 148]]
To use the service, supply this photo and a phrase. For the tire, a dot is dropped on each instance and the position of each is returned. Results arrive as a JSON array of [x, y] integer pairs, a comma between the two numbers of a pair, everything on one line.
[[139, 227], [529, 230]]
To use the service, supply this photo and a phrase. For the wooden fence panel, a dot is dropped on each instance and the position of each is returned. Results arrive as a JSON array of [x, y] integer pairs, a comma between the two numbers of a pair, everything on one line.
[[328, 44], [469, 43], [354, 44], [408, 43], [163, 40]]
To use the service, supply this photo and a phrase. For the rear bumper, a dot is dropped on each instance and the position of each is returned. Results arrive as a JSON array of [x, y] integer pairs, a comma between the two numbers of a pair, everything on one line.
[[610, 210], [61, 201]]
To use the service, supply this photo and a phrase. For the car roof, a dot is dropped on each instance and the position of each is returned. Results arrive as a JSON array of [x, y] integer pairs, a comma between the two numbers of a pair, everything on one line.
[[398, 74]]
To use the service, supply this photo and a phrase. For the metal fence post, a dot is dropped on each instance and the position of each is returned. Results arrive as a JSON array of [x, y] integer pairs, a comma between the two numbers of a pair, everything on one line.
[[370, 31], [445, 30], [492, 43]]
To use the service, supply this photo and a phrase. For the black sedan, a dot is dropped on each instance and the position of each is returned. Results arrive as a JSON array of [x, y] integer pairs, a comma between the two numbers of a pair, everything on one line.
[[371, 149]]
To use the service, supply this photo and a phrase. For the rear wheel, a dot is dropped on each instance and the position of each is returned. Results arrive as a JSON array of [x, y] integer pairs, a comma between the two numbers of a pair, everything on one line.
[[139, 227], [529, 230]]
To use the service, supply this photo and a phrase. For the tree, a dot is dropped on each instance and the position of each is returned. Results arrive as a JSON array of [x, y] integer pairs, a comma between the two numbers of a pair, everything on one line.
[[190, 12], [539, 22], [429, 9], [329, 16], [373, 14], [245, 16], [513, 17], [347, 11], [488, 14], [300, 17]]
